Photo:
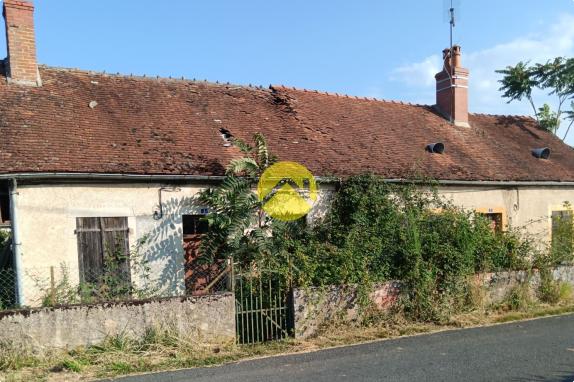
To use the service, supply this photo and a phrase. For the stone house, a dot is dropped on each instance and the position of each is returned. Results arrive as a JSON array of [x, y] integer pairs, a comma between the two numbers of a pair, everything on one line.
[[85, 154]]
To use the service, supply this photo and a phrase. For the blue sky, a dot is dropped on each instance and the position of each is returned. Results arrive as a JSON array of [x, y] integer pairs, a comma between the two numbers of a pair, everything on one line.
[[376, 48]]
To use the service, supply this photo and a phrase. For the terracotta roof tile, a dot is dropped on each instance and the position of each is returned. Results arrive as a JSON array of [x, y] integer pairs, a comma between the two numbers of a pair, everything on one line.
[[144, 125]]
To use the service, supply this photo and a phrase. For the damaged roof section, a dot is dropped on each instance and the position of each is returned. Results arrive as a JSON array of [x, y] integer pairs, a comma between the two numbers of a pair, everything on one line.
[[80, 122]]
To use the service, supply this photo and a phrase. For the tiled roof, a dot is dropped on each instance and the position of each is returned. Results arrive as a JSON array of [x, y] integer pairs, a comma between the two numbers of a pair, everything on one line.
[[92, 122]]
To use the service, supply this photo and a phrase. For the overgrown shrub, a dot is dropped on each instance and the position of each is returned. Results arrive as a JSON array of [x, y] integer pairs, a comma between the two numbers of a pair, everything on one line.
[[373, 232], [562, 245], [552, 291], [116, 282], [376, 232], [518, 298], [549, 290]]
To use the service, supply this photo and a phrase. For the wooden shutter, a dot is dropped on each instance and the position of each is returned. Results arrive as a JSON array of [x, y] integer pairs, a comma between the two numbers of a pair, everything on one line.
[[98, 237], [115, 243], [90, 251]]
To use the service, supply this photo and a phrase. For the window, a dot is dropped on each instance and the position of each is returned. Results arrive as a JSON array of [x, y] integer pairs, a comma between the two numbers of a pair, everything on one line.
[[562, 233], [496, 217], [103, 254], [4, 207], [194, 225]]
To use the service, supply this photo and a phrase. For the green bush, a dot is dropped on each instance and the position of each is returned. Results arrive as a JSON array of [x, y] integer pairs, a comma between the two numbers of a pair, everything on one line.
[[376, 232], [518, 298], [553, 291], [566, 292], [373, 232], [549, 292]]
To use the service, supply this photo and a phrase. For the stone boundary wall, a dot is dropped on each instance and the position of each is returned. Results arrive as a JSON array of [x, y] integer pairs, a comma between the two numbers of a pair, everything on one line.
[[497, 285], [205, 320], [313, 307]]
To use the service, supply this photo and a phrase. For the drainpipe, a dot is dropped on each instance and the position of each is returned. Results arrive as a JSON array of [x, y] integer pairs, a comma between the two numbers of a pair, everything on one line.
[[16, 244]]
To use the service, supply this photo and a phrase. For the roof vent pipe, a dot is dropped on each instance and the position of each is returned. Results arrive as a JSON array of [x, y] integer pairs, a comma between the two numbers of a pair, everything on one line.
[[541, 153], [435, 148]]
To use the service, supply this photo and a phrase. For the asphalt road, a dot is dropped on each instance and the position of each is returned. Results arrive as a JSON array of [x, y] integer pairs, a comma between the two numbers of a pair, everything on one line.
[[537, 350]]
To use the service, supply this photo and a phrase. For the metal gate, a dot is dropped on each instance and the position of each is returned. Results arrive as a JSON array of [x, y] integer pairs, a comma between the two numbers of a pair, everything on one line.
[[263, 306]]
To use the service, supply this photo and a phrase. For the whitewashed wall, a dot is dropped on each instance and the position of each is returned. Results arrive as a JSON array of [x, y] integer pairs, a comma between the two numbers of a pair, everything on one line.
[[522, 207], [47, 220]]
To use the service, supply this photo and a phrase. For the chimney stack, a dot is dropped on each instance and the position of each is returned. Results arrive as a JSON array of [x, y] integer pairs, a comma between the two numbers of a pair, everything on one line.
[[21, 65], [452, 88]]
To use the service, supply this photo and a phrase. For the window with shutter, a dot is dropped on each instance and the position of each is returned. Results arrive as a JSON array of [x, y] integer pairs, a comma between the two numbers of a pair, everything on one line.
[[103, 254]]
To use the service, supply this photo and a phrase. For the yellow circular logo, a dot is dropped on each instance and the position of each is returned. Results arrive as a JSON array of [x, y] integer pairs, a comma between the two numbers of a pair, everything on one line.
[[287, 190]]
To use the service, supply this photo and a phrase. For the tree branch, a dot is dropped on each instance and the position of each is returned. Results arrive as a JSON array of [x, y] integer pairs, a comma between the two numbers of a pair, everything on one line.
[[568, 130], [534, 108]]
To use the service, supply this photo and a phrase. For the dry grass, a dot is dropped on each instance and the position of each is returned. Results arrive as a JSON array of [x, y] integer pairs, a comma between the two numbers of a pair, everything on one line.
[[161, 350]]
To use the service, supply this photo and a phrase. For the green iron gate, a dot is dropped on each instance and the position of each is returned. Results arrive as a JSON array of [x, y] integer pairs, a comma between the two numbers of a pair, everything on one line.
[[263, 306]]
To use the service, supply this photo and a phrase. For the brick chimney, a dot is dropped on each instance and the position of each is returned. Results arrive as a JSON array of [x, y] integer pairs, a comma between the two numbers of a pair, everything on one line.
[[21, 65], [452, 88]]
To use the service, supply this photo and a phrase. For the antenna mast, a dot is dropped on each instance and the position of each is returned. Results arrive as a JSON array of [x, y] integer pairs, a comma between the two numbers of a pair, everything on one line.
[[452, 25]]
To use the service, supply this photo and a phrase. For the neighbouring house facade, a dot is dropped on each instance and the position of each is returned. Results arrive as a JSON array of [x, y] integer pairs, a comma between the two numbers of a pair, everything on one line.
[[90, 161]]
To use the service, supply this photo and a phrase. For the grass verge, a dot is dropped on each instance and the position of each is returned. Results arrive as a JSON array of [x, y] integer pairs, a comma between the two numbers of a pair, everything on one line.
[[159, 350]]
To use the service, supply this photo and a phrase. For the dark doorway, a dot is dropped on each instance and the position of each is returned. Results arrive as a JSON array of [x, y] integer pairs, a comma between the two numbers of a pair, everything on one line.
[[202, 276]]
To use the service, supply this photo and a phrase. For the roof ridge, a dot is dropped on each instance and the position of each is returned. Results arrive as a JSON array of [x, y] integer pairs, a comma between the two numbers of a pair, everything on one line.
[[504, 115], [346, 95], [150, 78], [257, 87]]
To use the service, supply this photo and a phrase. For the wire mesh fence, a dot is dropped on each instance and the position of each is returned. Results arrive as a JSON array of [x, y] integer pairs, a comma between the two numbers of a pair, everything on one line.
[[208, 277], [7, 288], [68, 285]]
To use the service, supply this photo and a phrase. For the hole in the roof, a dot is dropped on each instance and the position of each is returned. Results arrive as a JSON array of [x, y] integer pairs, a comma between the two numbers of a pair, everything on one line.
[[541, 153], [435, 148], [226, 136]]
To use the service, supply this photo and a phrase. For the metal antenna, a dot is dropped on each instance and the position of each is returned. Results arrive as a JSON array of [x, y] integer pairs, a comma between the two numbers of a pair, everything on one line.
[[452, 25], [449, 15]]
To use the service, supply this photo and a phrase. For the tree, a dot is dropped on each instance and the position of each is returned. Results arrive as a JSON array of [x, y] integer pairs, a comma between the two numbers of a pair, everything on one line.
[[238, 226], [555, 77]]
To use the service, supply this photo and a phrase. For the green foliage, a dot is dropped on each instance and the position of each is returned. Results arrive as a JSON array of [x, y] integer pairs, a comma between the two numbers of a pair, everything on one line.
[[555, 77], [113, 284], [257, 159], [518, 298], [14, 357], [238, 227], [562, 246], [518, 82], [549, 289], [71, 365], [4, 240], [566, 292], [376, 232], [548, 119]]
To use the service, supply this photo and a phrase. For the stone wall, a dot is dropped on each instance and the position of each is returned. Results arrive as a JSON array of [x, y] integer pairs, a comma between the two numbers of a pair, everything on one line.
[[314, 307], [497, 285], [208, 320]]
